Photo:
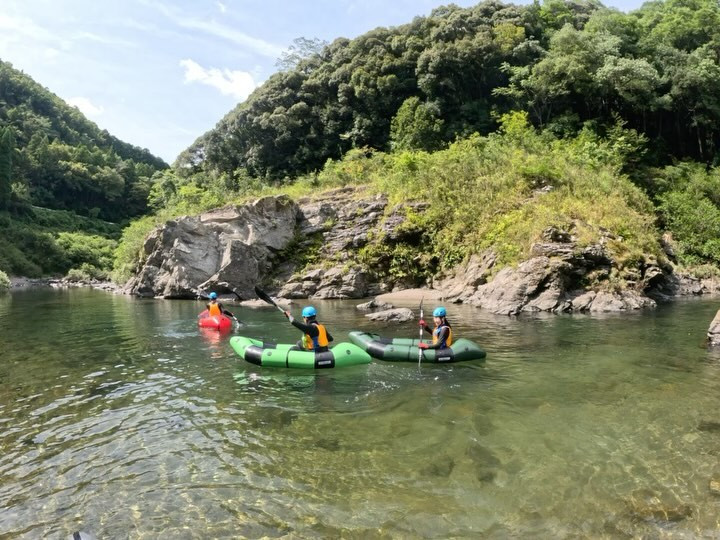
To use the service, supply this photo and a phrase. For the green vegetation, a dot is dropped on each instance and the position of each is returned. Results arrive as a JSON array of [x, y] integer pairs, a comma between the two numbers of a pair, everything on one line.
[[453, 73], [690, 208], [4, 281], [60, 176], [39, 241], [7, 149], [63, 161], [503, 191]]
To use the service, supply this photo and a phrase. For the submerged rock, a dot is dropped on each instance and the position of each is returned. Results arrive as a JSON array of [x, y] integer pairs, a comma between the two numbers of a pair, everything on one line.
[[374, 304], [715, 484], [392, 315], [649, 505], [713, 427]]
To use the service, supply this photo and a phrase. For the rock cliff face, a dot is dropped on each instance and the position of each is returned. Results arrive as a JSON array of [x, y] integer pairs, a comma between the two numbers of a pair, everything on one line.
[[552, 280], [309, 249], [226, 250], [231, 249]]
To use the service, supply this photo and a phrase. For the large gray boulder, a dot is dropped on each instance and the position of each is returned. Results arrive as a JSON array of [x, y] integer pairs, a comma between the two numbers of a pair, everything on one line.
[[227, 250], [396, 315]]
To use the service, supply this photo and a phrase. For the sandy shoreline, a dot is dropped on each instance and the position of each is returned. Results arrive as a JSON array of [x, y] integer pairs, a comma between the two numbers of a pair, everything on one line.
[[410, 295]]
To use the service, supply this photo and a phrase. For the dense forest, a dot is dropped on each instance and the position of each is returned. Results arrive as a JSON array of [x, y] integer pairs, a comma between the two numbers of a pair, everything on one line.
[[63, 161], [66, 186], [424, 84]]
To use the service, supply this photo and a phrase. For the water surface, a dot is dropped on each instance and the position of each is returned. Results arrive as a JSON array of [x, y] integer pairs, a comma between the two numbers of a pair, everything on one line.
[[120, 418]]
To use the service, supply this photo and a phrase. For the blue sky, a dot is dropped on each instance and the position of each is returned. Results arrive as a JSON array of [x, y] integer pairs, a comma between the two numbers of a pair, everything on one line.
[[158, 74]]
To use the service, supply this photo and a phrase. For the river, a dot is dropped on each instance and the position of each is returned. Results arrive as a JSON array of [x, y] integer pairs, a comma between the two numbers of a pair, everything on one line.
[[118, 417]]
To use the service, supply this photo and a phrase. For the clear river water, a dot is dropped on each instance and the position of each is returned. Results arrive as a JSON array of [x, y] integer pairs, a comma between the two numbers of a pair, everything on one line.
[[119, 418]]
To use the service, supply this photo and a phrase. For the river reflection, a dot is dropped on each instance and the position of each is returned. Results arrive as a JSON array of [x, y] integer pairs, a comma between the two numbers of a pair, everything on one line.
[[120, 417]]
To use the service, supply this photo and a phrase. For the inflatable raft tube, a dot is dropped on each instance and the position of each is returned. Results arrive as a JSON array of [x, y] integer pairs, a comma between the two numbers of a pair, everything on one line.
[[218, 322], [280, 355], [406, 350]]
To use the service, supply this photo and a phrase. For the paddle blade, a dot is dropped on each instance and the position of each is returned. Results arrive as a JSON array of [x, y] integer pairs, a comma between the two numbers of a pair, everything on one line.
[[262, 295], [420, 351]]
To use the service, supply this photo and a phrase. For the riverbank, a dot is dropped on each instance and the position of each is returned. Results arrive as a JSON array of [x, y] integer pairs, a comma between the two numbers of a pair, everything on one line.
[[411, 295], [19, 283]]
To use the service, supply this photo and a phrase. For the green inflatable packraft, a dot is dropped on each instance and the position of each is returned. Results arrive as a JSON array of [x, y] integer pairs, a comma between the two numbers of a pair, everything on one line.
[[283, 355], [406, 350]]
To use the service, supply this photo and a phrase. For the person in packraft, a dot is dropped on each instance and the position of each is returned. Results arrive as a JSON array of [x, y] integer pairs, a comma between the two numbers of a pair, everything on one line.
[[442, 335], [316, 337], [215, 308]]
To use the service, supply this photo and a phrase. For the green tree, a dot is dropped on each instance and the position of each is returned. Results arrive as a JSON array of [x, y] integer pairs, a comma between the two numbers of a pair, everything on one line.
[[416, 126], [301, 49]]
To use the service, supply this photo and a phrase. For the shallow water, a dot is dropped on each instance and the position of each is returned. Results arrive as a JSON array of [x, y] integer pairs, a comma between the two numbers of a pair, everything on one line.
[[120, 418]]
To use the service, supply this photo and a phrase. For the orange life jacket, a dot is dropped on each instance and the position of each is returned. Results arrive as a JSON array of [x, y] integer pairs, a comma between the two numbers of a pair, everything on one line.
[[312, 344], [214, 309], [436, 333]]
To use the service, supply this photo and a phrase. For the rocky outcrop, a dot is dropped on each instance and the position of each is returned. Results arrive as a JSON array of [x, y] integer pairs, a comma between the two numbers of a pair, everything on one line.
[[346, 224], [231, 249], [551, 280], [310, 248], [714, 331]]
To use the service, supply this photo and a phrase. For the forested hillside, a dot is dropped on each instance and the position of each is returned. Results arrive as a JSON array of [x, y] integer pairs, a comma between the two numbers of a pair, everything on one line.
[[65, 185], [61, 160], [448, 75], [638, 93]]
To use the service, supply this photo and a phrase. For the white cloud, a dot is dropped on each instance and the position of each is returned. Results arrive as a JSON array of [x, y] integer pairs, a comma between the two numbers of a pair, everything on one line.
[[222, 7], [104, 40], [257, 45], [234, 83], [87, 107], [15, 26]]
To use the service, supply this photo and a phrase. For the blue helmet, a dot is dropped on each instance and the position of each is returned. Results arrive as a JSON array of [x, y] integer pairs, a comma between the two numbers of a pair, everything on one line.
[[439, 312], [309, 312], [212, 295]]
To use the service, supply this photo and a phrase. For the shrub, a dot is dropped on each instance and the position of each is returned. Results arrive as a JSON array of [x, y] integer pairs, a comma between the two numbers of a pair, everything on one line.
[[4, 281]]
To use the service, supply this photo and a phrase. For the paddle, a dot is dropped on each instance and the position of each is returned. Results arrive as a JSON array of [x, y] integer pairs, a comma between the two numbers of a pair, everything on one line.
[[229, 314], [262, 295], [420, 351]]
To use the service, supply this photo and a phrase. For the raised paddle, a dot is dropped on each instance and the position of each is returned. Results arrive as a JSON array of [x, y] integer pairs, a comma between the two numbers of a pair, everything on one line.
[[420, 351], [262, 295]]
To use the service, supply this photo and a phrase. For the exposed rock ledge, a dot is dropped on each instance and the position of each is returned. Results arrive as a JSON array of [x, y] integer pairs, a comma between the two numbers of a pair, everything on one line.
[[231, 249]]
